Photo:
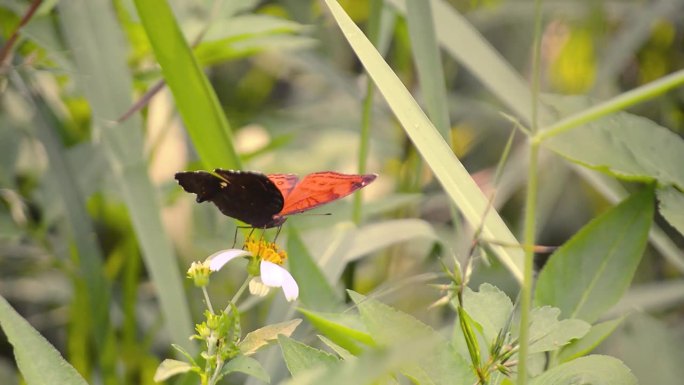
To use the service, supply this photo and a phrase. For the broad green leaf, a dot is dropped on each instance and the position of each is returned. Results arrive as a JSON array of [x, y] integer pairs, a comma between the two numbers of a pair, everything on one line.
[[39, 362], [259, 338], [594, 370], [390, 327], [624, 145], [589, 273], [315, 292], [300, 357], [489, 307], [548, 333], [342, 352], [586, 344], [372, 367], [169, 368], [197, 102], [438, 155], [671, 205], [95, 42], [344, 329], [247, 365]]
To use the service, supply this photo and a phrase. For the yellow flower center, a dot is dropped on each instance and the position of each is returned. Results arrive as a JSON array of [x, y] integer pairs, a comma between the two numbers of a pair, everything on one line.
[[267, 251]]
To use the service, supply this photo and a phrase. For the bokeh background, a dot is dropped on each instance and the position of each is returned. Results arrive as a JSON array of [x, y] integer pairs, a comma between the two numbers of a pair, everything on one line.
[[294, 95]]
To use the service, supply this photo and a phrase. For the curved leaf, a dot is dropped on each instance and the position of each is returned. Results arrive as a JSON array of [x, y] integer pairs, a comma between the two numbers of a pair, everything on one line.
[[590, 273], [39, 362], [594, 370]]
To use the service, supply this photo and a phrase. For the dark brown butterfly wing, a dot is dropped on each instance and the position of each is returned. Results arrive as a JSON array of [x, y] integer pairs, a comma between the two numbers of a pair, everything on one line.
[[320, 188], [248, 196]]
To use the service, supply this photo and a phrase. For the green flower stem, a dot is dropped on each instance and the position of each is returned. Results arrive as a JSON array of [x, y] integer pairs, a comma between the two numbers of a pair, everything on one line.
[[530, 206], [238, 293], [207, 300], [637, 95], [217, 371]]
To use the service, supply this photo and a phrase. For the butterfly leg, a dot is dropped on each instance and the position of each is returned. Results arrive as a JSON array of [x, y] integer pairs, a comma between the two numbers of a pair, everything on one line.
[[236, 233], [277, 233]]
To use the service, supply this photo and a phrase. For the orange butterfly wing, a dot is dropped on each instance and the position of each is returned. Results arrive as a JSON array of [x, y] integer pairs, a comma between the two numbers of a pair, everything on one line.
[[320, 188], [284, 182]]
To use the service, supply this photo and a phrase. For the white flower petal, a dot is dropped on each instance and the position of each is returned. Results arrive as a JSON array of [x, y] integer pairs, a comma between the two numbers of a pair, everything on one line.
[[275, 276], [257, 287], [290, 288], [271, 274], [220, 258]]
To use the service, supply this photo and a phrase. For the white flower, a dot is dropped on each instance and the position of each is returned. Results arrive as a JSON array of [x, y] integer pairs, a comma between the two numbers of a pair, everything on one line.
[[273, 275], [220, 258], [270, 274]]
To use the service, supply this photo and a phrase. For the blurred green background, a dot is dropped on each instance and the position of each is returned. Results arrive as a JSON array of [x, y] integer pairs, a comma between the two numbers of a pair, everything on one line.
[[95, 235]]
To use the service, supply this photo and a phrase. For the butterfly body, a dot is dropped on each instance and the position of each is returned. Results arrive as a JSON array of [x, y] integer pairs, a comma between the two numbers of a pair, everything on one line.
[[265, 201]]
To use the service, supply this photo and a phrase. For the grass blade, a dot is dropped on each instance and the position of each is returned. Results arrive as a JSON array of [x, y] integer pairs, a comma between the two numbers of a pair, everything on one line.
[[38, 361], [449, 171], [196, 101], [97, 46]]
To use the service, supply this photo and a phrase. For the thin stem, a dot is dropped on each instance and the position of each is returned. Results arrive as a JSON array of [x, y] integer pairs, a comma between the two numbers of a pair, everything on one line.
[[530, 202], [7, 48], [238, 293], [637, 95], [375, 12], [207, 300]]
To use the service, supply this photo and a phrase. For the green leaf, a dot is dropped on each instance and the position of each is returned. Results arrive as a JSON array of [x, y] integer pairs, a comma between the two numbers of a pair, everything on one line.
[[300, 357], [594, 370], [315, 292], [671, 205], [592, 339], [589, 274], [427, 56], [344, 329], [489, 307], [39, 362], [197, 102], [259, 338], [95, 42], [169, 368], [342, 352], [247, 365], [454, 178], [390, 327], [372, 367], [548, 333], [89, 259], [624, 145]]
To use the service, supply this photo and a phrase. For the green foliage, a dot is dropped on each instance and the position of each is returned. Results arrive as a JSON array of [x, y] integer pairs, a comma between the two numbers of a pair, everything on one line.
[[93, 229], [589, 274], [300, 357], [626, 146], [594, 369], [38, 360]]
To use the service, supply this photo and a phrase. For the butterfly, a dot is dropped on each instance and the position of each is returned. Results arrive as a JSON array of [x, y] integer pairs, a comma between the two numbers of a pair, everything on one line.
[[265, 201]]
